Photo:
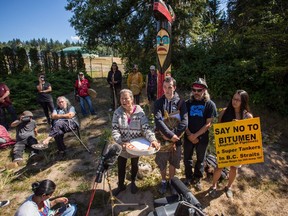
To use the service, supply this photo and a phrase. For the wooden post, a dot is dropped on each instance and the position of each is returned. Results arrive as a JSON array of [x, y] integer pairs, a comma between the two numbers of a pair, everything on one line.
[[165, 17]]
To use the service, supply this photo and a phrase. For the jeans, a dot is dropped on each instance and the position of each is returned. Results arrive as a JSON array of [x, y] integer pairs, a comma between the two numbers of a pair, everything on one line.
[[89, 102], [58, 130], [3, 120], [22, 144], [200, 149]]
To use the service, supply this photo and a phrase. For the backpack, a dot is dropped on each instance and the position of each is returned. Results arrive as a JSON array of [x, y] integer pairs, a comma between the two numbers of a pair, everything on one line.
[[211, 164]]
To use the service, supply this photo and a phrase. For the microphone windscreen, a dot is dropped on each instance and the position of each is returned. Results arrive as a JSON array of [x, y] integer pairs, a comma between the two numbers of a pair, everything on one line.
[[113, 151], [182, 190]]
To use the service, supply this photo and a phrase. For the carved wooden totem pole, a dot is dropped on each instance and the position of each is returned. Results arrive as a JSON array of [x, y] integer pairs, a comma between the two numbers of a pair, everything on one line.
[[165, 17]]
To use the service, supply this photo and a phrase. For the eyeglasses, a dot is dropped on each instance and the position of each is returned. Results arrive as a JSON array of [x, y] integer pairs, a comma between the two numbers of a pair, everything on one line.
[[60, 101], [237, 100], [42, 77], [197, 90]]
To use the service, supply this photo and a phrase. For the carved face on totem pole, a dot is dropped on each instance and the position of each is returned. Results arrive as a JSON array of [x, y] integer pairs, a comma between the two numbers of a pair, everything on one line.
[[163, 48]]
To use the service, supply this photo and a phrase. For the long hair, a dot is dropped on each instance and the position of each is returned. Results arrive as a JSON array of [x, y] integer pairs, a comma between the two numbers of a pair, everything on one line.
[[229, 113], [65, 99], [45, 187], [114, 63], [206, 96]]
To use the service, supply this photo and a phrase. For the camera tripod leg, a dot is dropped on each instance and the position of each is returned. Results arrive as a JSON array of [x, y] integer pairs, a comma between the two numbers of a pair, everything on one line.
[[114, 199]]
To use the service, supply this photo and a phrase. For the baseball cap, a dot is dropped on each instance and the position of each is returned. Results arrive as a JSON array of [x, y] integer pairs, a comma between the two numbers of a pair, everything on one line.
[[27, 113], [81, 73]]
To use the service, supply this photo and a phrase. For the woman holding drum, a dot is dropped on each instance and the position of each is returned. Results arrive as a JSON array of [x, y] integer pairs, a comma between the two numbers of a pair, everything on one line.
[[129, 122]]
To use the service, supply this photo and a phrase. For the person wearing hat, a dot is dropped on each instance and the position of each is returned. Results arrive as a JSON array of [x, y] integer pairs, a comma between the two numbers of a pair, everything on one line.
[[201, 112], [44, 96], [151, 84], [135, 83], [26, 132], [81, 88], [114, 79]]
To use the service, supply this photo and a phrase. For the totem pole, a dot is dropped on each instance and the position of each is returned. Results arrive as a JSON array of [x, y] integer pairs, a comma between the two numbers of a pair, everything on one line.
[[165, 17]]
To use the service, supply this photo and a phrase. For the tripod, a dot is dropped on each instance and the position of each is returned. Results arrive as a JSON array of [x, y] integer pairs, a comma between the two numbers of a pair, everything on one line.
[[114, 199]]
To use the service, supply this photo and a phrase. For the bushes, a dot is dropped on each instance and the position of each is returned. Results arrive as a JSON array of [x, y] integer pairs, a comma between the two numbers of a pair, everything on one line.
[[227, 67], [24, 92]]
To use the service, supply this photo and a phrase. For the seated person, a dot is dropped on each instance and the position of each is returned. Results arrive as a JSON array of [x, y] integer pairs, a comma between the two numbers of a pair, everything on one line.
[[26, 131], [4, 136], [64, 120], [39, 203]]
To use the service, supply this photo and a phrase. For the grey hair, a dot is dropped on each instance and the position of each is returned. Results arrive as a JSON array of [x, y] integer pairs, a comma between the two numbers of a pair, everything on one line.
[[65, 99], [127, 91]]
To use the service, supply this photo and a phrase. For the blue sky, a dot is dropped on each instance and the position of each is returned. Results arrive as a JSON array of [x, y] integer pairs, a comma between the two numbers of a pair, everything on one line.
[[28, 19]]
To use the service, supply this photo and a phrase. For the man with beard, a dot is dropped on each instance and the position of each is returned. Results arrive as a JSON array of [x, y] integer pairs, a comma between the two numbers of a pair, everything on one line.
[[201, 111]]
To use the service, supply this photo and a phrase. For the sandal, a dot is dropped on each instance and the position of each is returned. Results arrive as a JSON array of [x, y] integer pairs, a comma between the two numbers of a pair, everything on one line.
[[40, 146]]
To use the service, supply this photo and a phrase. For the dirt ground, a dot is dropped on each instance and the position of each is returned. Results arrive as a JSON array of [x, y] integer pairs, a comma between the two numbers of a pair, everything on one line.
[[260, 189]]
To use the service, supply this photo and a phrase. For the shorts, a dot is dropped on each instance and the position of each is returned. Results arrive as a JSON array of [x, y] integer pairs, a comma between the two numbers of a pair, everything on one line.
[[174, 158]]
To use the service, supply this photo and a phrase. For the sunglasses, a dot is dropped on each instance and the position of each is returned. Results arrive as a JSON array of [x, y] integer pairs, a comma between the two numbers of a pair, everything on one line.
[[197, 90]]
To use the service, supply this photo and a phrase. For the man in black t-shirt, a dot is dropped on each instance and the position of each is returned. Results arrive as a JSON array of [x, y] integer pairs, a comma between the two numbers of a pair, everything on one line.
[[201, 111]]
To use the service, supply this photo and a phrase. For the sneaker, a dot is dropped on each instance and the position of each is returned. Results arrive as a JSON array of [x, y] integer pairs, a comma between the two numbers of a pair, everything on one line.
[[119, 189], [19, 161], [163, 188], [228, 192], [212, 192], [134, 188], [4, 203]]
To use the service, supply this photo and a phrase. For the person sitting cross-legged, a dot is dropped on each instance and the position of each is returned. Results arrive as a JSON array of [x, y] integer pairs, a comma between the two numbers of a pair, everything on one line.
[[64, 120]]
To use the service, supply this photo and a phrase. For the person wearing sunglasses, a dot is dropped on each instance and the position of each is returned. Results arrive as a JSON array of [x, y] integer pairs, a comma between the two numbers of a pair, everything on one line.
[[201, 112], [45, 98]]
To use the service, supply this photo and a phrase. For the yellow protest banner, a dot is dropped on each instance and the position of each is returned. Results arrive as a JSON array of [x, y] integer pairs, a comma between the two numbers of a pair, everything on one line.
[[238, 142]]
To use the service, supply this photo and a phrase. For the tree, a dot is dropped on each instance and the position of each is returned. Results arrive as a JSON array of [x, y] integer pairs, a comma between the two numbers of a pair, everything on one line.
[[22, 60], [3, 65], [129, 27], [35, 60]]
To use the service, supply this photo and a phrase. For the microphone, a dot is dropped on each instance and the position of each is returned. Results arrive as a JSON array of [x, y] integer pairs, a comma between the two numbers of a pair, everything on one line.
[[112, 153], [109, 156], [182, 190]]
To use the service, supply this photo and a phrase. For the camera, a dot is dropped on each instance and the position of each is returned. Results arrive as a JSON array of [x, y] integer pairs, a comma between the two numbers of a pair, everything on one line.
[[26, 119], [184, 203]]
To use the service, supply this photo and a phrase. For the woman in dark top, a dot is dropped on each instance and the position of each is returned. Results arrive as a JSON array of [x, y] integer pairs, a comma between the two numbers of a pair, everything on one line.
[[237, 109], [44, 96], [114, 79]]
